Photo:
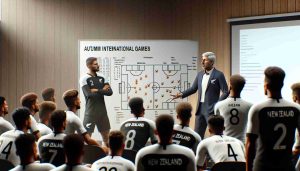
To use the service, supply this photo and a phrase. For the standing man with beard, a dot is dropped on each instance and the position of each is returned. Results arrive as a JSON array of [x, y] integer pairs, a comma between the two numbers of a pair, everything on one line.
[[209, 82], [94, 89], [4, 124]]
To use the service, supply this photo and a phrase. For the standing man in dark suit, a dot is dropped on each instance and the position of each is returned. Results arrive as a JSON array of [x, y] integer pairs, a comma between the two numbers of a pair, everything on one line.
[[209, 82]]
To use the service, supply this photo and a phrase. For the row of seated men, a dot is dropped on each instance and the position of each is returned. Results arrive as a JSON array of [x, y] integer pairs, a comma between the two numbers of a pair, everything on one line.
[[272, 123]]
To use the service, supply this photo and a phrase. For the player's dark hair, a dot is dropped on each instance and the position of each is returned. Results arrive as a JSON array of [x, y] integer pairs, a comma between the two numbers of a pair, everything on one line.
[[184, 111], [237, 83], [296, 89], [90, 60], [274, 76], [2, 99], [164, 126], [70, 96], [136, 106], [20, 116], [115, 141], [216, 122], [73, 147], [57, 119], [48, 93], [46, 107], [25, 146], [27, 100]]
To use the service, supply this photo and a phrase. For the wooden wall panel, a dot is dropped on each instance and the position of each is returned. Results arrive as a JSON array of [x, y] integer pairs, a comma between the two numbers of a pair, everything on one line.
[[39, 38]]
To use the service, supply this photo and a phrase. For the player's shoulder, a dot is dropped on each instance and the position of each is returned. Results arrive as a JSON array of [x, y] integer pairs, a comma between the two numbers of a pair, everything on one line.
[[84, 78], [11, 133]]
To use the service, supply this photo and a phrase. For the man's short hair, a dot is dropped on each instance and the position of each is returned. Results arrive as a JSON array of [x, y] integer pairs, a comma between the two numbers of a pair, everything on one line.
[[216, 122], [25, 145], [296, 89], [70, 96], [28, 99], [48, 93], [90, 60], [136, 106], [237, 82], [45, 108], [57, 119], [164, 125], [2, 99], [184, 111], [210, 55], [274, 76], [20, 116], [73, 146], [116, 140]]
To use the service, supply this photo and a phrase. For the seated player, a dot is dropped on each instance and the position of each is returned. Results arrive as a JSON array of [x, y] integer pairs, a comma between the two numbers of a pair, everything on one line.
[[137, 129], [4, 124], [271, 127], [30, 100], [48, 94], [219, 147], [51, 146], [46, 108], [21, 117], [234, 109], [165, 155], [26, 150], [183, 134], [114, 161], [73, 122], [73, 147]]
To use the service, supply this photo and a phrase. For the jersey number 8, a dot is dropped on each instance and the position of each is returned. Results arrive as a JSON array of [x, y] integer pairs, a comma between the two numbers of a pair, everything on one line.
[[129, 143]]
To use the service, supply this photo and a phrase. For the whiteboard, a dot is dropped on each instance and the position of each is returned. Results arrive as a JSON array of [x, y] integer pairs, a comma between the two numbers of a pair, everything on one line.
[[152, 69]]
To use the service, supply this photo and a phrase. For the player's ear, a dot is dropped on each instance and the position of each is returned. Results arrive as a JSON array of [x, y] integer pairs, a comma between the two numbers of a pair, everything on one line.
[[155, 132]]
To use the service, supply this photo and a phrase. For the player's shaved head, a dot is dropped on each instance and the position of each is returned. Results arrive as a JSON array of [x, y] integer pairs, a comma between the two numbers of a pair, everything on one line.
[[46, 108], [216, 123], [70, 97], [90, 60], [274, 77], [184, 111], [115, 141], [48, 94], [237, 83], [136, 106], [25, 144], [73, 147], [58, 118], [164, 126], [20, 116]]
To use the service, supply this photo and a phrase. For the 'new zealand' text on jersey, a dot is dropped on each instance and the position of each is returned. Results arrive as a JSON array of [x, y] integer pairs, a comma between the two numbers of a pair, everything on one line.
[[274, 122], [185, 136], [220, 148], [171, 158], [235, 113], [7, 146], [137, 132], [51, 150], [113, 163]]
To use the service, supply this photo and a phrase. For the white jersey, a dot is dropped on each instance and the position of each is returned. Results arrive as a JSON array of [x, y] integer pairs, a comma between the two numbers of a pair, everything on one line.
[[113, 163], [235, 113], [184, 135], [74, 124], [220, 148], [36, 166], [7, 146], [34, 127], [5, 125], [44, 130], [274, 122], [73, 168], [50, 148], [171, 157]]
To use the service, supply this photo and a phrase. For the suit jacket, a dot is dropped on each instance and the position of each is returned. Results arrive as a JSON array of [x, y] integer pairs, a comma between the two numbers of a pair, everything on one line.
[[216, 83]]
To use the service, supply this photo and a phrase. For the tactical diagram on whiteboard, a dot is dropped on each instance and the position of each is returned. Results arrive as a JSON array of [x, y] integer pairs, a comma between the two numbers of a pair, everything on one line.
[[155, 83], [153, 70]]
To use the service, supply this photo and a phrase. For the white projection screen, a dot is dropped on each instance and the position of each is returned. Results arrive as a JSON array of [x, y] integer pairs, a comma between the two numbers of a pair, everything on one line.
[[259, 43]]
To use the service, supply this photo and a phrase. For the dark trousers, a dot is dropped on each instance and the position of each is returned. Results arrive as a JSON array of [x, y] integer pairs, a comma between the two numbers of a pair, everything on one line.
[[201, 120]]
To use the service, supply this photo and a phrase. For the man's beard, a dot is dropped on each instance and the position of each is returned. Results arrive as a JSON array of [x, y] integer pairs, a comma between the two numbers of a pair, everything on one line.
[[36, 110], [77, 106]]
